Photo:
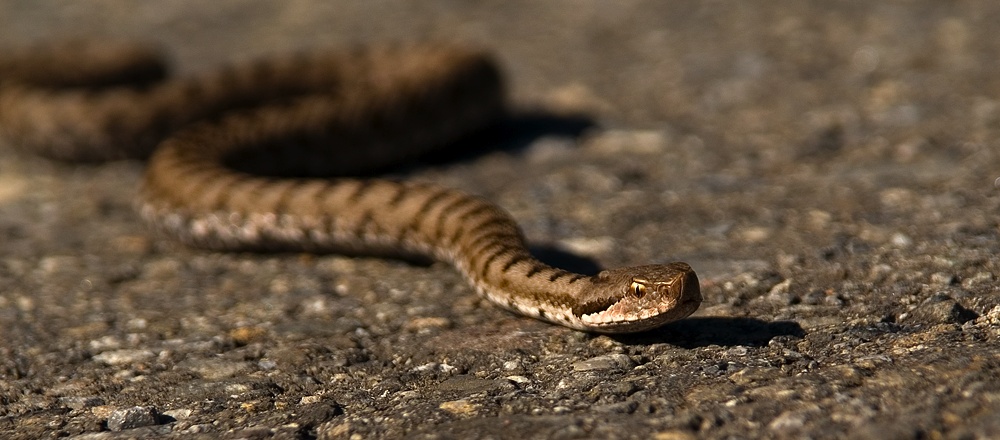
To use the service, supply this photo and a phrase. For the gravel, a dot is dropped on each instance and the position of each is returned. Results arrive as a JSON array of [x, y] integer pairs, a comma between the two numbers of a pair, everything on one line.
[[828, 169]]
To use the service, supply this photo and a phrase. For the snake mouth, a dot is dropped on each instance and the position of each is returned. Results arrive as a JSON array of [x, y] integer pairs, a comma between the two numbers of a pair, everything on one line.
[[591, 309], [623, 316]]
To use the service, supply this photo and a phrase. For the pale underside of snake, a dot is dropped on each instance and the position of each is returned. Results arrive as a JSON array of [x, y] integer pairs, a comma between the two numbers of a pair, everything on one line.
[[329, 113]]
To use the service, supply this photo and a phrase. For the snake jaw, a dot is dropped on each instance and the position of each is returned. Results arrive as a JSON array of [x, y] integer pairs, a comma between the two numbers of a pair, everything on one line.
[[646, 297]]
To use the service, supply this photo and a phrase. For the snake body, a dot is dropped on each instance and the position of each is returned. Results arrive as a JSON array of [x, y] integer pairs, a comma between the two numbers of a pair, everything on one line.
[[331, 112]]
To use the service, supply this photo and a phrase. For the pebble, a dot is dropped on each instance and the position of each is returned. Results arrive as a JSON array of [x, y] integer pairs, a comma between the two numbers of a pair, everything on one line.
[[308, 400], [629, 142], [124, 357], [12, 186], [619, 407], [614, 362], [468, 384], [81, 402], [979, 278], [214, 369], [943, 279], [130, 418], [780, 292], [900, 240], [673, 435], [178, 414], [738, 350], [246, 335], [512, 365], [434, 366], [714, 392], [588, 245], [751, 375], [939, 309], [791, 421], [992, 317], [429, 323], [459, 407], [780, 391], [520, 380]]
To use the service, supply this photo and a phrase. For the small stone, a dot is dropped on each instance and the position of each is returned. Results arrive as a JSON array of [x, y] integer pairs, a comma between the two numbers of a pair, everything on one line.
[[215, 369], [716, 392], [132, 244], [588, 245], [738, 350], [872, 362], [178, 414], [980, 278], [992, 317], [620, 407], [754, 234], [900, 240], [616, 362], [467, 384], [623, 388], [162, 269], [102, 411], [459, 407], [846, 375], [130, 418], [124, 357], [777, 392], [428, 323], [780, 290], [434, 366], [629, 142], [307, 400], [576, 98], [550, 149], [13, 186], [943, 279], [245, 335], [751, 375], [520, 380], [334, 429], [790, 420], [79, 403], [673, 435], [940, 309]]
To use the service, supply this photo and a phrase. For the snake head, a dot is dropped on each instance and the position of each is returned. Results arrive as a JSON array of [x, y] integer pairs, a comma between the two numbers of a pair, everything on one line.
[[639, 298]]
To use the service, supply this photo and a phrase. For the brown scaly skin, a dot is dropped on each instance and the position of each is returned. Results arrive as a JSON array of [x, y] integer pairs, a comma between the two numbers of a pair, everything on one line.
[[334, 112]]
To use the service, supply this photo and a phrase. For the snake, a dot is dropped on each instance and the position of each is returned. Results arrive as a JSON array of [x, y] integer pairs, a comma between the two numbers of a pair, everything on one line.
[[276, 154]]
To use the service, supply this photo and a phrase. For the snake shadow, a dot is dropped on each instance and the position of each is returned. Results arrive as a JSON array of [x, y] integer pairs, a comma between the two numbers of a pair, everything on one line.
[[709, 330], [513, 133], [561, 258]]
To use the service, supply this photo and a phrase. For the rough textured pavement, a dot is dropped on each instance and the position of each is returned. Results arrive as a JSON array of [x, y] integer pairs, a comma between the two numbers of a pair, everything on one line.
[[827, 167]]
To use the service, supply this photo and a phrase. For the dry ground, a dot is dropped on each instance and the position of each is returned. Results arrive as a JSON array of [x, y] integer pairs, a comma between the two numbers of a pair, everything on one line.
[[827, 167]]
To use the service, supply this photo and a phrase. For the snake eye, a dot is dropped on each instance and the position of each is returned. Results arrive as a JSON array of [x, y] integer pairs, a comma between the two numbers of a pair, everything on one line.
[[638, 289]]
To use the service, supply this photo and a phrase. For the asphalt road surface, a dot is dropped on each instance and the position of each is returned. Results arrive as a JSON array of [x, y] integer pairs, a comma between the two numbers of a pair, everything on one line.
[[828, 169]]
